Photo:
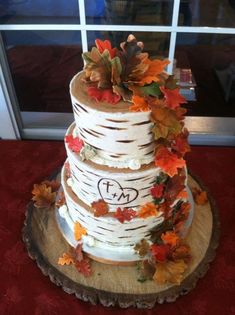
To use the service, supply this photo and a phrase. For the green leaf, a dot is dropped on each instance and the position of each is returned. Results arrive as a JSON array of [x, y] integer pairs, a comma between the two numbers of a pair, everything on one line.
[[162, 178], [151, 89], [116, 70]]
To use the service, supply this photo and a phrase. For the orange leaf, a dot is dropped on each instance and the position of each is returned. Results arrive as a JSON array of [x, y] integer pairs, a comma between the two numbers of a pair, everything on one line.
[[168, 161], [54, 184], [139, 104], [66, 259], [79, 230], [173, 97], [170, 238], [100, 207], [170, 271], [200, 197], [43, 196], [182, 195], [148, 210], [155, 67]]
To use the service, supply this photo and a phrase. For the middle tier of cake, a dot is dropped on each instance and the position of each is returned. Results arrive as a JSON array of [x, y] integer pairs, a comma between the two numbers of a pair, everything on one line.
[[117, 187]]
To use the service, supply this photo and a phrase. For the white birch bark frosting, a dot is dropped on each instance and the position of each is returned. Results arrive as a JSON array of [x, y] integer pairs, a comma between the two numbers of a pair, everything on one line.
[[120, 137], [107, 232], [118, 187]]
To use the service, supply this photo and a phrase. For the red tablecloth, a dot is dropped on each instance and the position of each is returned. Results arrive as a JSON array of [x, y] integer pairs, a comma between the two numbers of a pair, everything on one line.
[[23, 288]]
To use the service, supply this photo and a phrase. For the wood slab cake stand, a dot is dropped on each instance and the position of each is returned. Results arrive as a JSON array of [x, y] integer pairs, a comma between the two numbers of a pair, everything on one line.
[[118, 285]]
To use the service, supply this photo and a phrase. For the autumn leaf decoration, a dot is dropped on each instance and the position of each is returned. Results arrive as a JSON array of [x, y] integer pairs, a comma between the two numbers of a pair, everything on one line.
[[77, 258], [125, 214], [100, 208], [168, 259], [44, 194], [142, 248], [74, 143], [148, 210], [79, 231], [129, 74], [199, 196], [168, 161]]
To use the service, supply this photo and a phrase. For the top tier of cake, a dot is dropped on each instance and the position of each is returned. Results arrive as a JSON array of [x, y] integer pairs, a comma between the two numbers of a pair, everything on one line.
[[120, 138]]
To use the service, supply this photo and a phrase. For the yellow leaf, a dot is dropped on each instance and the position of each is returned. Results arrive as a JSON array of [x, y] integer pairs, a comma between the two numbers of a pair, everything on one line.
[[170, 271], [79, 230], [66, 259]]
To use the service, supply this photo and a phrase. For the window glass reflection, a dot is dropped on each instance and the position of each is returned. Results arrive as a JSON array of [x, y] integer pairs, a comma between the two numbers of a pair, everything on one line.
[[211, 58], [213, 13], [42, 64], [129, 12], [156, 44], [39, 11]]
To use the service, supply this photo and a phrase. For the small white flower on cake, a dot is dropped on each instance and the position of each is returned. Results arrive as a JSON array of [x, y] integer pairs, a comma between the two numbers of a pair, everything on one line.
[[89, 240], [134, 164], [87, 152], [70, 182], [63, 211]]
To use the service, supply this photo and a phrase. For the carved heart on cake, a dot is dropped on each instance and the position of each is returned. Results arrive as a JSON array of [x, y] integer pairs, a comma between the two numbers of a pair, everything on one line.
[[114, 194]]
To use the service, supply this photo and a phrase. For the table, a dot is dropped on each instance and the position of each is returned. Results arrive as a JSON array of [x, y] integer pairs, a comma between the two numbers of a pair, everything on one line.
[[23, 288]]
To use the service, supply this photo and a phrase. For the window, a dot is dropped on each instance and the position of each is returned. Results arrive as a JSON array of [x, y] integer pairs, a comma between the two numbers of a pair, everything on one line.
[[42, 42]]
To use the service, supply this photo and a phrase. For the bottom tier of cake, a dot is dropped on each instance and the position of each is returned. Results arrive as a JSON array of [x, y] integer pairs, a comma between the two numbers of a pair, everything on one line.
[[107, 239]]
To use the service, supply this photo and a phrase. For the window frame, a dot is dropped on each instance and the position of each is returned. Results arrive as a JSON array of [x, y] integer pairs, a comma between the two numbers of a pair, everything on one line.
[[204, 130]]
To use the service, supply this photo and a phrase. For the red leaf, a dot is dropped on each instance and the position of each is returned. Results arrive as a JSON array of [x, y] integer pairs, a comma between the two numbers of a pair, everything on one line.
[[125, 214], [160, 252], [173, 97], [103, 95], [78, 252], [84, 267], [173, 187], [102, 45], [67, 169], [157, 190], [180, 143], [75, 144]]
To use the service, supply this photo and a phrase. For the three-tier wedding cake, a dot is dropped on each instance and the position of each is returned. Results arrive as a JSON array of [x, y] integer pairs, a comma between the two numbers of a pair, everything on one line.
[[125, 178]]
